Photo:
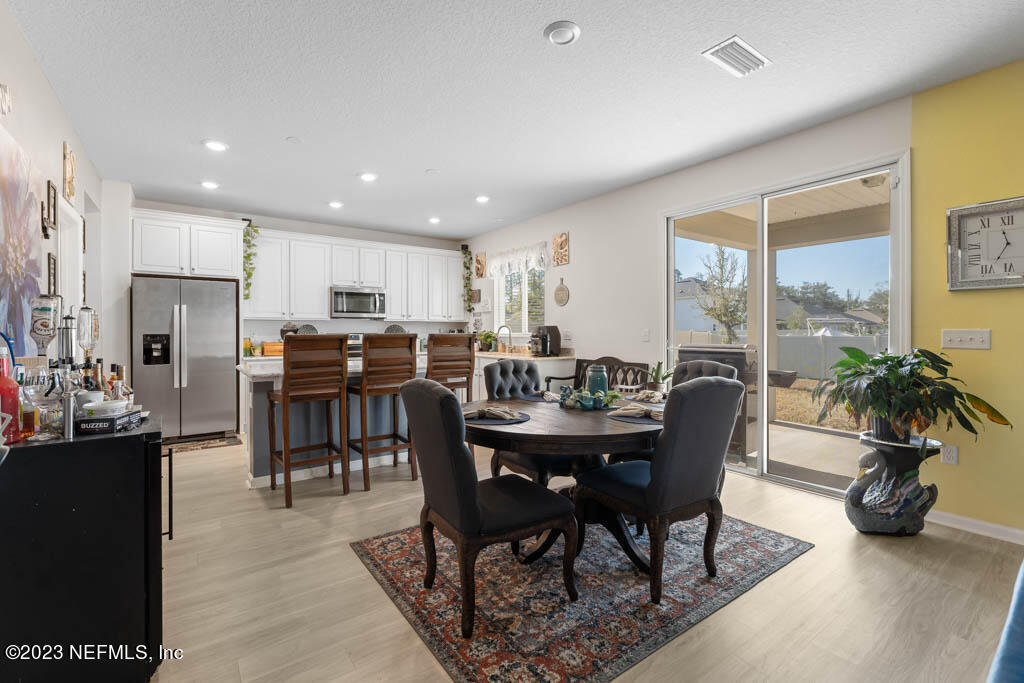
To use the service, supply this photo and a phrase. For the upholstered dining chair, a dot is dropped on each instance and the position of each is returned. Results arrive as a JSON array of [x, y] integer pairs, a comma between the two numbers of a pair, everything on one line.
[[681, 480], [474, 514], [506, 379]]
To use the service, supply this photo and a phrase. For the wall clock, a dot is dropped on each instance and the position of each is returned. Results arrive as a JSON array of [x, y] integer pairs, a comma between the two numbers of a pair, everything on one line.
[[985, 245]]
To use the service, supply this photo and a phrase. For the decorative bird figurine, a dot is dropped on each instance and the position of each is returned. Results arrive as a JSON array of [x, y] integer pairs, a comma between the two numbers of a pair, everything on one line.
[[883, 501]]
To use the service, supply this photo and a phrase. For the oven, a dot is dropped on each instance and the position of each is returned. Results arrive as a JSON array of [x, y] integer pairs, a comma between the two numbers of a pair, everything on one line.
[[358, 302]]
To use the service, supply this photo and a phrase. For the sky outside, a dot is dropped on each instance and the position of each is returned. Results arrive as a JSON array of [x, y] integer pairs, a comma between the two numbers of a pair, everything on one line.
[[857, 265]]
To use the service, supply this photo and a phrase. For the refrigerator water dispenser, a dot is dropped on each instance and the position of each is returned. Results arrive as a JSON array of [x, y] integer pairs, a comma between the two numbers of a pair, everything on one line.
[[156, 349]]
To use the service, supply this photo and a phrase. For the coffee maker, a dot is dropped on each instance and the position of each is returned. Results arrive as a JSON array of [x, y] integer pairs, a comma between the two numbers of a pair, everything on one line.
[[546, 341]]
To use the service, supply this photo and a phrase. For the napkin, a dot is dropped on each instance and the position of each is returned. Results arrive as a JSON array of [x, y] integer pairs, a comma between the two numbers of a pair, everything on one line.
[[649, 396], [493, 412], [551, 398], [637, 410]]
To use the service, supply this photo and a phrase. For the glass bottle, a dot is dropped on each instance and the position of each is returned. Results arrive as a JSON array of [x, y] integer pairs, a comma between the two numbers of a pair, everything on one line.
[[9, 403], [45, 317], [597, 379], [29, 413]]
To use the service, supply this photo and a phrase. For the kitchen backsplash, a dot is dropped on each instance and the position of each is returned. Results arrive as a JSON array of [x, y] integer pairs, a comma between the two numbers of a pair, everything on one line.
[[270, 330]]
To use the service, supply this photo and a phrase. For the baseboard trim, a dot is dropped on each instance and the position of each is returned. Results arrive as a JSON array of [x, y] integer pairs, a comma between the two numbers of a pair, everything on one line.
[[321, 470], [976, 526]]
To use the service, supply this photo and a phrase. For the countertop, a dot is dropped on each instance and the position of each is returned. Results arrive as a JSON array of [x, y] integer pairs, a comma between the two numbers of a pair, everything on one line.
[[149, 426], [266, 368], [523, 356]]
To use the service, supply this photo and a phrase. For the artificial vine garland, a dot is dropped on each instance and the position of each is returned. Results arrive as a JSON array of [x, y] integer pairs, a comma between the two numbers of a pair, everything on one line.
[[249, 236], [467, 277]]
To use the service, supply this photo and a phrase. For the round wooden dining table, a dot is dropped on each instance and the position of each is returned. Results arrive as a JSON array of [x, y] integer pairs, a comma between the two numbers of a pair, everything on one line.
[[586, 435]]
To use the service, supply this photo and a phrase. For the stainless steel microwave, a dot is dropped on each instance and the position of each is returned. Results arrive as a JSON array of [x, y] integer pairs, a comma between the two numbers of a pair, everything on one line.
[[358, 302]]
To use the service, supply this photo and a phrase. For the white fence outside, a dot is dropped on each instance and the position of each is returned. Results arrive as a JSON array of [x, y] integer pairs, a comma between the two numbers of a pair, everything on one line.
[[812, 357]]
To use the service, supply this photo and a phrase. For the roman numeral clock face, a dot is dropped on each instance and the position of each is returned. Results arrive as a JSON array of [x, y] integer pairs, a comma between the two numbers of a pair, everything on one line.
[[991, 247]]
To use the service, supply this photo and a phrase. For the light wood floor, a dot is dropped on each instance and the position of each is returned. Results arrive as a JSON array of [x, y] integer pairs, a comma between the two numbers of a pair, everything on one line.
[[256, 592]]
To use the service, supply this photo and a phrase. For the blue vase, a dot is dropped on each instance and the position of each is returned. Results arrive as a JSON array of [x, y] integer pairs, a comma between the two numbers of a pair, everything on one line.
[[597, 379]]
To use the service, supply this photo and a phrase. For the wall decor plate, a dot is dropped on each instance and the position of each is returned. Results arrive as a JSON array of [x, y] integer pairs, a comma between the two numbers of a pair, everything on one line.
[[561, 292]]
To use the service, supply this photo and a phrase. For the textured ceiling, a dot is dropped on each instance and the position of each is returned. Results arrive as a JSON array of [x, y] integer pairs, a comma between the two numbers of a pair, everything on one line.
[[470, 87]]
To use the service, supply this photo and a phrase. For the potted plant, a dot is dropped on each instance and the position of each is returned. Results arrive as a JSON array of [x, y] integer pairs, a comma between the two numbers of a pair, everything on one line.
[[487, 340], [900, 394], [657, 376]]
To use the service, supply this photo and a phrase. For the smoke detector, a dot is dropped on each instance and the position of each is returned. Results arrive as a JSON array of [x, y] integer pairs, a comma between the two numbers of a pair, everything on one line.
[[562, 32], [736, 56]]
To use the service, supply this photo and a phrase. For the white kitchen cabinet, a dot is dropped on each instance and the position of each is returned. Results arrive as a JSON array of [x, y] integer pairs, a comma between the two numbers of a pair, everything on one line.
[[396, 285], [215, 251], [437, 287], [455, 291], [344, 265], [309, 270], [416, 286], [371, 267], [160, 246], [269, 296]]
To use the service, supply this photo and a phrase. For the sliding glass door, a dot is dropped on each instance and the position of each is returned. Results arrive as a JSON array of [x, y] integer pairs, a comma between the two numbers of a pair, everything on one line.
[[776, 286]]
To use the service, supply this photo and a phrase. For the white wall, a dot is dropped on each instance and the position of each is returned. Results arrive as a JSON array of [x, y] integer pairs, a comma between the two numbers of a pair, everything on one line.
[[117, 258], [289, 225], [617, 241]]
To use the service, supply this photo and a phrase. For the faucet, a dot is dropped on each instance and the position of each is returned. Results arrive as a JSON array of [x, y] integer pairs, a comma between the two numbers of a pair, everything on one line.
[[497, 335]]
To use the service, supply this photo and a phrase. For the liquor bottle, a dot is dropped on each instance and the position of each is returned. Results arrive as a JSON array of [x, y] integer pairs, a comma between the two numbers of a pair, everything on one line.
[[9, 396], [29, 413]]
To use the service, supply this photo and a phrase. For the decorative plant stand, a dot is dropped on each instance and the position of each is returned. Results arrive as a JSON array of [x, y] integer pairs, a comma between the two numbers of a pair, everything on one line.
[[887, 497]]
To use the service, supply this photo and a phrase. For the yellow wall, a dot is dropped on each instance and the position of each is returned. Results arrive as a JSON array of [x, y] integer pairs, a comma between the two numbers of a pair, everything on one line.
[[967, 147]]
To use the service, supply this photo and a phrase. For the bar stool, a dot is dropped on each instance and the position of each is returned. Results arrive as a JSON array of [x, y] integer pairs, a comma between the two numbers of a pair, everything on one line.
[[450, 361], [388, 360], [315, 369]]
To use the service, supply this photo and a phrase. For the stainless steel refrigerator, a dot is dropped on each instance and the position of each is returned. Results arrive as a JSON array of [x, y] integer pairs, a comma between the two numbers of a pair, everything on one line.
[[184, 352]]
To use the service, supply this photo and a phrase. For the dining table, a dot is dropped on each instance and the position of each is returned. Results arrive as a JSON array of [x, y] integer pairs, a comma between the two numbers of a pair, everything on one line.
[[587, 436]]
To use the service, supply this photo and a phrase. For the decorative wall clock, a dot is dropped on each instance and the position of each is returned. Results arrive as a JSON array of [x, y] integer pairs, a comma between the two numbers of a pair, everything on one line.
[[985, 245]]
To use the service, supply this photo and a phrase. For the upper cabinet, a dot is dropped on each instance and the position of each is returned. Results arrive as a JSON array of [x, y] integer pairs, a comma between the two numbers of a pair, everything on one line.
[[437, 289], [416, 286], [180, 244], [371, 267], [396, 264], [309, 269], [456, 293], [160, 246], [269, 296], [216, 251], [344, 265]]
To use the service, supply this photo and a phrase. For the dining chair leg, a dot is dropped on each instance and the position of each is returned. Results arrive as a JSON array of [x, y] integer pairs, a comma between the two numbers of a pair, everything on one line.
[[711, 537], [330, 438], [343, 439], [271, 427], [412, 459], [496, 463], [514, 545], [364, 441], [569, 559], [286, 449], [394, 426], [658, 529], [467, 580], [429, 551]]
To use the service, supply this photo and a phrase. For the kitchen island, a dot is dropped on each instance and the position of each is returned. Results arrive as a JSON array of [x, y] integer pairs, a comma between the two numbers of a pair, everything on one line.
[[260, 375]]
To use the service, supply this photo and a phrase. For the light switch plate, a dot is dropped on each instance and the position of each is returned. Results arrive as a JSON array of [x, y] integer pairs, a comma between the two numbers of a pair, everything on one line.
[[645, 334], [950, 454], [967, 339], [567, 338]]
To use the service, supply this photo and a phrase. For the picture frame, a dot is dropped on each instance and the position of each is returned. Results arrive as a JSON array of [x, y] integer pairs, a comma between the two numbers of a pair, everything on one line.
[[560, 249], [51, 274], [474, 296], [70, 170], [480, 265], [49, 210]]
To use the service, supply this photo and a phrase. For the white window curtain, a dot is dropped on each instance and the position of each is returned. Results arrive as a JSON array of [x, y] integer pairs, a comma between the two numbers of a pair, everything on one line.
[[528, 263], [520, 260]]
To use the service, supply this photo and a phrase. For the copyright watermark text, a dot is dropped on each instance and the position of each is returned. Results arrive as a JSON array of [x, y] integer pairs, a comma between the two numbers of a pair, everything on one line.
[[89, 652]]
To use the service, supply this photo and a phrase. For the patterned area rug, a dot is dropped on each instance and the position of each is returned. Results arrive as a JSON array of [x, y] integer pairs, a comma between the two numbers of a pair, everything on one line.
[[526, 628], [185, 446]]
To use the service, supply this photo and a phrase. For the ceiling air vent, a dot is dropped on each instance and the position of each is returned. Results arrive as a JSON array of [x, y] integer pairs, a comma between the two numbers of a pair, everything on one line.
[[737, 57]]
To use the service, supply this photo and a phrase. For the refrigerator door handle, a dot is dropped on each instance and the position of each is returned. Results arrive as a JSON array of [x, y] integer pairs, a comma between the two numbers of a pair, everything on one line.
[[175, 341], [183, 345]]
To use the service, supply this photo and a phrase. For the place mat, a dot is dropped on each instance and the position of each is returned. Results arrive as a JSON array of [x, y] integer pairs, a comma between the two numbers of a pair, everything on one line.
[[536, 398], [636, 420], [526, 629], [523, 417]]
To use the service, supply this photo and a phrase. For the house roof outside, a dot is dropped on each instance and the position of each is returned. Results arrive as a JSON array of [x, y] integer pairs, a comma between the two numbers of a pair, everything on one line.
[[689, 288]]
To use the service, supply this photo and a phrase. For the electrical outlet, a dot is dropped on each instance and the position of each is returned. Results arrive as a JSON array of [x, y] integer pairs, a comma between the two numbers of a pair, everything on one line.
[[950, 454], [967, 339], [645, 334], [567, 338]]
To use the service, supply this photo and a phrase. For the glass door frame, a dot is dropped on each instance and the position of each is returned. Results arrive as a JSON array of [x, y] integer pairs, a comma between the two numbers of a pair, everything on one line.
[[897, 164]]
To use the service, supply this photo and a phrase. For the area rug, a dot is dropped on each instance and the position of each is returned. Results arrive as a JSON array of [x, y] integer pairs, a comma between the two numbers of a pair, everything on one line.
[[526, 628], [202, 444]]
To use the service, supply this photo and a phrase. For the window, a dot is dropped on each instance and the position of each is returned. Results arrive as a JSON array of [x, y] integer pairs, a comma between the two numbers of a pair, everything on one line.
[[522, 313]]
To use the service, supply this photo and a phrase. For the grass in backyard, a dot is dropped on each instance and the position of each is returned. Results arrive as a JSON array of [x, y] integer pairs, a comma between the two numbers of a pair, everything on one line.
[[796, 405]]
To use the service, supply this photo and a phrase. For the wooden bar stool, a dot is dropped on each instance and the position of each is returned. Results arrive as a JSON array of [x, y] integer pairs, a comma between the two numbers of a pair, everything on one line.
[[388, 360], [315, 369], [450, 361]]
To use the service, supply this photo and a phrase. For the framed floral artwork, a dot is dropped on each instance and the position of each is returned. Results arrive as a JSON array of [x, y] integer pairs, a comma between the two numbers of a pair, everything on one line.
[[560, 249], [480, 265]]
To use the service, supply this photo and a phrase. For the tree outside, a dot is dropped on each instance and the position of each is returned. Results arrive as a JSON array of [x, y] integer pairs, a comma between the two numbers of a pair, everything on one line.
[[724, 299]]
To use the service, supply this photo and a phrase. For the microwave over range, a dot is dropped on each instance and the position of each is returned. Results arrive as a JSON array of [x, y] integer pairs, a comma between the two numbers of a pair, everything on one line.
[[358, 302]]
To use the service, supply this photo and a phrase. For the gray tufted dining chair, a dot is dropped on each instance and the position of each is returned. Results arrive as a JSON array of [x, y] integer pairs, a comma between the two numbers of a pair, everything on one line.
[[508, 378]]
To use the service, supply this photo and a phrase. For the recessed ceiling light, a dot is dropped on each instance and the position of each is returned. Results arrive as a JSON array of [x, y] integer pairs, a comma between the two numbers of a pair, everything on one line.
[[482, 199], [562, 32], [368, 177], [215, 145], [435, 220], [432, 171], [335, 205], [210, 185], [736, 56]]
